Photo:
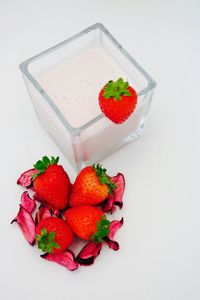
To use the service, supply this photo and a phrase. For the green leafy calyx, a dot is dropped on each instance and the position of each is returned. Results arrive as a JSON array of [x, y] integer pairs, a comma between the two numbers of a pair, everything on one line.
[[46, 241], [43, 164], [104, 178], [115, 89], [102, 230]]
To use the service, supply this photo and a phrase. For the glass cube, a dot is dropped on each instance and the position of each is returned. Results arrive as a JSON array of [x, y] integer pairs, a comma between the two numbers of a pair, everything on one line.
[[64, 82]]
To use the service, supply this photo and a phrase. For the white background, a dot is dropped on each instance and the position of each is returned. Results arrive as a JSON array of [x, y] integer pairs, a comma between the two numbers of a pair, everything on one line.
[[160, 241]]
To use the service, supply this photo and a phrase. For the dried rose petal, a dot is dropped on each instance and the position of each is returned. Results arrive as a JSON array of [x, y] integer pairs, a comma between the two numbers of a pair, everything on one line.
[[25, 179], [115, 199], [43, 212], [27, 202], [26, 224], [55, 212], [119, 180], [109, 205], [88, 254], [114, 226], [65, 259]]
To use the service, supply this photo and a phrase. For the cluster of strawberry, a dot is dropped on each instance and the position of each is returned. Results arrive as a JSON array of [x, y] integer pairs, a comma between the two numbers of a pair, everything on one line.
[[54, 211]]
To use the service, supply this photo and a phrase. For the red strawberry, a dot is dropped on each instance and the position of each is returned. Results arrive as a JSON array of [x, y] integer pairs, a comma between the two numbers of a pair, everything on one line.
[[88, 222], [53, 235], [91, 186], [51, 183], [117, 100]]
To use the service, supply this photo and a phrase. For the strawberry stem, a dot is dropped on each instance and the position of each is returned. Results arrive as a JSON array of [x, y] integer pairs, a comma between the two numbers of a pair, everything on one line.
[[43, 164], [104, 178], [102, 230], [46, 241], [115, 89]]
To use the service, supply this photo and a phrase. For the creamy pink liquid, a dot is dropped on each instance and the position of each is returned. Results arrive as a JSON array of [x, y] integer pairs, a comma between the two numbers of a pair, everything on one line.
[[75, 83]]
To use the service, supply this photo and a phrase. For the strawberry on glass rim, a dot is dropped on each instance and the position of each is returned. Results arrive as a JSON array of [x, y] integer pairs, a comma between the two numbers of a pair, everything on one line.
[[117, 100]]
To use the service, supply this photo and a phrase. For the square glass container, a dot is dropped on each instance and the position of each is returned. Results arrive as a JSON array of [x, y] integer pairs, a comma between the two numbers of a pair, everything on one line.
[[63, 83]]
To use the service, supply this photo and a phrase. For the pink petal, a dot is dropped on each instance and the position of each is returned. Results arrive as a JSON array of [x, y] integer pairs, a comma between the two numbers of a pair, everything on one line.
[[25, 179], [119, 180], [109, 205], [27, 202], [55, 212], [89, 253], [43, 212], [65, 259], [26, 224], [114, 226], [115, 199]]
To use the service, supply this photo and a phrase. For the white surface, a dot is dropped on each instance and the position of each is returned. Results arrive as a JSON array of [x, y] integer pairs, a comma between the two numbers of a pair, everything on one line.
[[160, 245]]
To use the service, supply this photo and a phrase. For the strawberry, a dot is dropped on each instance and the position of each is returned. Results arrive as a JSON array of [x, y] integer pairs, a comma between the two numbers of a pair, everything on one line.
[[117, 100], [92, 186], [88, 222], [53, 235], [51, 183]]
